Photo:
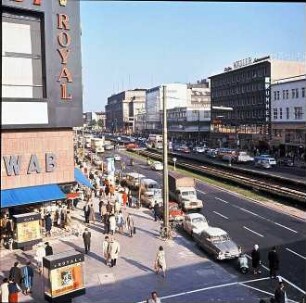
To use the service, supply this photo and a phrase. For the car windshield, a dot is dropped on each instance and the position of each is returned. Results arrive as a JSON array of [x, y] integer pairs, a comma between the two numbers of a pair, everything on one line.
[[188, 193], [220, 238], [198, 220]]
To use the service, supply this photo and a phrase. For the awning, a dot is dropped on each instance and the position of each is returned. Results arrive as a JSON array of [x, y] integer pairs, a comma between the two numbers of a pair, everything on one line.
[[30, 195], [80, 178]]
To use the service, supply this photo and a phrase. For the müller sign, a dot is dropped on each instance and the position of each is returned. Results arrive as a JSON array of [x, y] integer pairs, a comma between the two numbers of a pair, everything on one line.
[[13, 164]]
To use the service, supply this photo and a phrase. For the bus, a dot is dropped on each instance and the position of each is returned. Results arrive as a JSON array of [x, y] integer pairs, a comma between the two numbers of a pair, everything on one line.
[[97, 145]]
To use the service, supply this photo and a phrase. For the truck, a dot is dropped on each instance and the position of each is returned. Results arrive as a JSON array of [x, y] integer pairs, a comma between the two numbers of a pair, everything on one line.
[[97, 144], [182, 190]]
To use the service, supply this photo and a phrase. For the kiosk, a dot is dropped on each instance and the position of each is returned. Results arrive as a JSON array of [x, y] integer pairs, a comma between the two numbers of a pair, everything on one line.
[[63, 276]]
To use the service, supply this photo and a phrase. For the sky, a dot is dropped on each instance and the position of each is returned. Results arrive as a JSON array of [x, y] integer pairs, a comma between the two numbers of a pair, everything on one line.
[[128, 45]]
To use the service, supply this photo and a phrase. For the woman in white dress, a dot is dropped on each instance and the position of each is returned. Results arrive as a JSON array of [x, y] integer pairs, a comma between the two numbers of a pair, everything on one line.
[[160, 261]]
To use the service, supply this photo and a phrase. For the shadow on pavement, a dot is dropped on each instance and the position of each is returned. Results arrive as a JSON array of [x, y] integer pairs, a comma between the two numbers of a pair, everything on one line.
[[137, 264]]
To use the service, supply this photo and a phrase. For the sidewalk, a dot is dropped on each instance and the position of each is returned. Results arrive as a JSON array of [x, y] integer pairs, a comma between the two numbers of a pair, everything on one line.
[[133, 279]]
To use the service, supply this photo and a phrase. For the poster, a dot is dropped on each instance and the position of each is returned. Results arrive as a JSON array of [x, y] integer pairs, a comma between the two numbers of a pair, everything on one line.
[[27, 231]]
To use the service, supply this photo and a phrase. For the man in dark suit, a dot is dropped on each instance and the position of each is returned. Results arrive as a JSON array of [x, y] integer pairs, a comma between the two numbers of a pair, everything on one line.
[[16, 273], [87, 239], [49, 249]]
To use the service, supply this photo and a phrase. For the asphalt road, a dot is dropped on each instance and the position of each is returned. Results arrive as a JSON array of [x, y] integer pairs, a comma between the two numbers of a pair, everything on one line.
[[250, 223]]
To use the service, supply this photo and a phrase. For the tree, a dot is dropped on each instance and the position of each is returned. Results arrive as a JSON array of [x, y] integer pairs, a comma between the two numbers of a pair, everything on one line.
[[93, 123], [101, 123]]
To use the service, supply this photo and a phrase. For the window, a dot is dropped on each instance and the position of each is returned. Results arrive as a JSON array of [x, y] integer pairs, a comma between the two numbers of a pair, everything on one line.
[[298, 113], [287, 113], [22, 75], [303, 92], [287, 94], [275, 113], [280, 113], [284, 94], [296, 93], [277, 93], [293, 93]]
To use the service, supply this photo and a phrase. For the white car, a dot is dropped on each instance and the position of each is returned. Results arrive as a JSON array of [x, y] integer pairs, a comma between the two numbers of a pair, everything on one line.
[[117, 157], [194, 223], [156, 165], [199, 149]]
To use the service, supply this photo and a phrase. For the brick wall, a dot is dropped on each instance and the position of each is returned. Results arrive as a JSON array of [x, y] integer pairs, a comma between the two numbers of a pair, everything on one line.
[[26, 143]]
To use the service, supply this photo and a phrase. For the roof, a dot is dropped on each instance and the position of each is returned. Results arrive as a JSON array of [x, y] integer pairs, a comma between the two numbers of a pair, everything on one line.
[[215, 231]]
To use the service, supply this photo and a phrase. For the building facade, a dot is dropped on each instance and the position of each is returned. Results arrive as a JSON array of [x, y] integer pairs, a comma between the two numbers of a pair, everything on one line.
[[241, 103], [122, 108], [41, 101], [288, 115], [176, 95]]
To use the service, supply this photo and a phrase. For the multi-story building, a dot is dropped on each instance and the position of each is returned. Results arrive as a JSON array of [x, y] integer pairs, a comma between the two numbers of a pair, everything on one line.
[[176, 95], [189, 123], [89, 117], [122, 108], [240, 101], [101, 119], [288, 115], [41, 103]]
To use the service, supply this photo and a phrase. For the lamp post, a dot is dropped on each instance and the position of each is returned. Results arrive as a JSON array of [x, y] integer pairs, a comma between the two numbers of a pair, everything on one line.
[[174, 161], [165, 172]]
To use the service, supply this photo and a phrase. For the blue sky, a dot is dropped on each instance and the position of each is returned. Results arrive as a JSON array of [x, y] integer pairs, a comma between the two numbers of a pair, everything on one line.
[[127, 45]]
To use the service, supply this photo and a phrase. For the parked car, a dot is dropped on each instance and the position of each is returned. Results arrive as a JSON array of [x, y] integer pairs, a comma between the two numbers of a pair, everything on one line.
[[117, 157], [264, 163], [194, 223], [199, 149], [216, 242], [287, 162], [109, 147], [176, 215], [149, 198], [185, 149], [212, 153], [271, 160], [156, 165]]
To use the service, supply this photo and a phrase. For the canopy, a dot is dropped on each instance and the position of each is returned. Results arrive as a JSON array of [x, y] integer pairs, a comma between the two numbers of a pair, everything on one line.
[[80, 178]]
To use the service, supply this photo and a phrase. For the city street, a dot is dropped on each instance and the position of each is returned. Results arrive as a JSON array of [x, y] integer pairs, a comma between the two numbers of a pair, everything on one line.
[[251, 223]]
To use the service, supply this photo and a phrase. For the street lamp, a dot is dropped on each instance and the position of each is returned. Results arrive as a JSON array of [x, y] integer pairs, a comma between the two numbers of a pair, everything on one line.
[[174, 161]]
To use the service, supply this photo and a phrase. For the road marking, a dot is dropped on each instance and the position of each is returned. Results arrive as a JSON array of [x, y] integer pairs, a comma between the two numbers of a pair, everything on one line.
[[260, 290], [250, 212], [221, 215], [208, 288], [201, 191], [296, 253], [221, 200], [254, 232], [286, 227], [293, 285]]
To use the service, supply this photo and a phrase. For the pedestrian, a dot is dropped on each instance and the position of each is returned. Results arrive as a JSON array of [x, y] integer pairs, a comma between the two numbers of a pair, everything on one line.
[[105, 249], [120, 222], [48, 249], [40, 253], [280, 295], [91, 214], [124, 199], [16, 273], [4, 291], [103, 212], [160, 261], [100, 207], [114, 249], [86, 213], [14, 290], [109, 207], [256, 259], [87, 240], [48, 225], [112, 224], [28, 276], [117, 207], [130, 225], [156, 211], [273, 262], [106, 190], [154, 298], [106, 223]]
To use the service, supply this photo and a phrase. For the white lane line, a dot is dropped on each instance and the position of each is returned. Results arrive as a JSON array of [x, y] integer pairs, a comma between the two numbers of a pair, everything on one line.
[[293, 285], [208, 288], [260, 290], [250, 212], [296, 253], [220, 215], [201, 191], [221, 200], [286, 227], [252, 231]]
